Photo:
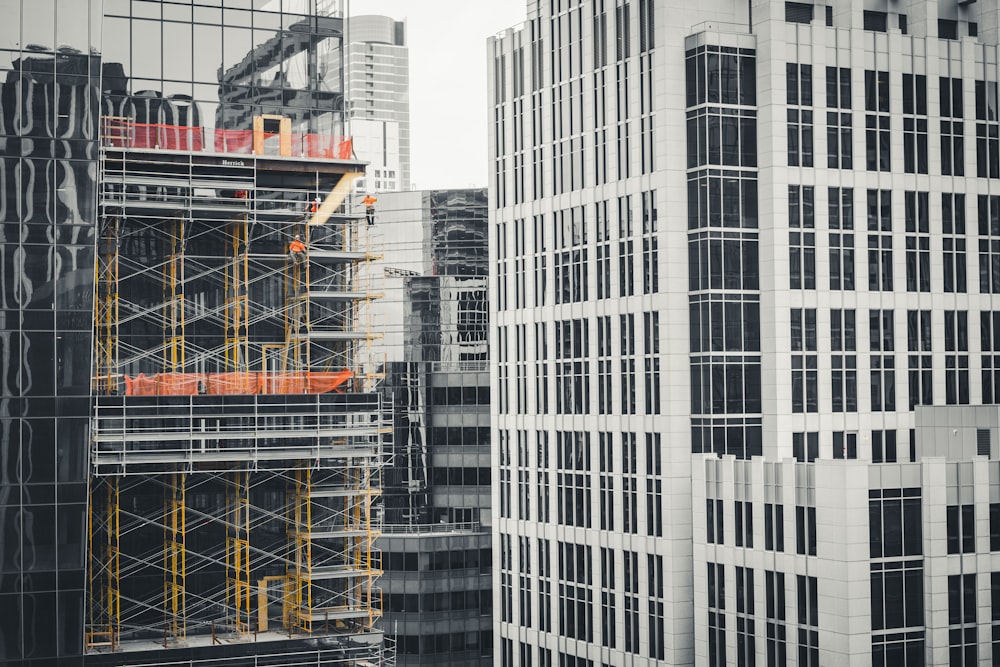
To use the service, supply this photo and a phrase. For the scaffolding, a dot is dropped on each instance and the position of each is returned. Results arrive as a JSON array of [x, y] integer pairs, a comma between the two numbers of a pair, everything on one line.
[[236, 447]]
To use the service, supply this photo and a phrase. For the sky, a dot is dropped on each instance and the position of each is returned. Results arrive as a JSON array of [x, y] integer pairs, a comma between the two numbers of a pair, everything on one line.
[[448, 112]]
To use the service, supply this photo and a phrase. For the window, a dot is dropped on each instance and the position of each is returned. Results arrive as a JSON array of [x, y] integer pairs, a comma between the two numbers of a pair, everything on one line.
[[915, 123], [800, 117], [802, 245], [774, 527], [714, 521], [962, 641], [576, 597], [899, 649], [798, 12], [956, 339], [989, 244], [884, 446], [841, 217], [805, 446], [651, 362], [947, 29], [606, 480], [875, 21], [808, 615], [716, 619], [774, 595], [918, 254], [745, 639], [657, 606], [987, 130], [883, 373], [608, 597], [897, 594], [626, 248], [961, 599], [573, 481], [744, 524], [844, 383], [805, 530], [880, 245], [989, 330], [880, 330], [920, 376], [805, 378], [845, 445], [843, 335], [572, 366], [953, 241], [894, 523], [650, 240], [961, 527], [839, 124], [952, 131], [877, 121], [995, 545]]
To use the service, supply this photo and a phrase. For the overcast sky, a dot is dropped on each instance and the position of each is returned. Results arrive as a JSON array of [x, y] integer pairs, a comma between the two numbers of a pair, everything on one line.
[[448, 113]]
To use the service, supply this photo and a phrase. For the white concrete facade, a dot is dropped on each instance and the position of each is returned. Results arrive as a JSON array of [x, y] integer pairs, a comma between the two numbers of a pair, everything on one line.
[[638, 321]]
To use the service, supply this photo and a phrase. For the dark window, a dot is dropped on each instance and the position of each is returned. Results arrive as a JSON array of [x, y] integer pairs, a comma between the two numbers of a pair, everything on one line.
[[877, 21], [805, 446], [961, 528], [798, 12], [947, 29], [805, 530], [774, 527], [894, 523]]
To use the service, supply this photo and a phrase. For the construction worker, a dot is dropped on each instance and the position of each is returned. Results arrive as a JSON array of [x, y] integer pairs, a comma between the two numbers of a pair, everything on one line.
[[314, 207], [297, 249], [369, 203]]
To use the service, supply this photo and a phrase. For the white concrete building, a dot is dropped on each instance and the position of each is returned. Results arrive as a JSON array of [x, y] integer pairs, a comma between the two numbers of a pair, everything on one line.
[[761, 229]]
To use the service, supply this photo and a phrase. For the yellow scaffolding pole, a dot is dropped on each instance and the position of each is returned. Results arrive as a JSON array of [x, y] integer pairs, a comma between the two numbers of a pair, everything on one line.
[[103, 534], [173, 293], [237, 300], [238, 550], [106, 308], [174, 553], [300, 577]]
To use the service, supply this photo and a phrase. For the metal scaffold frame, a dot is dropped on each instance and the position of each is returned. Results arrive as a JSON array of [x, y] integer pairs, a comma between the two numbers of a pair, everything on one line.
[[236, 452]]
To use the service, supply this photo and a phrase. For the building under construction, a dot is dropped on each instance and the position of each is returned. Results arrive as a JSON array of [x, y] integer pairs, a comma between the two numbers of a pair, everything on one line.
[[236, 451], [213, 420]]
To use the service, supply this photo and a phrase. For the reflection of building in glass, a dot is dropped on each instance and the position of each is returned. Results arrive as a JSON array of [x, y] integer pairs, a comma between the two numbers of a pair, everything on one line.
[[295, 72], [735, 262], [378, 87], [436, 545], [189, 453]]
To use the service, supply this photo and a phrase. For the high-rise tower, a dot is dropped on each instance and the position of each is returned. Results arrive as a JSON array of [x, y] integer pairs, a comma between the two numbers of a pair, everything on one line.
[[378, 87], [741, 230]]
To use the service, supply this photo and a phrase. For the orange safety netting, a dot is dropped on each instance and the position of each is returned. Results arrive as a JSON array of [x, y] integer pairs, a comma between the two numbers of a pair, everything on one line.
[[123, 134], [239, 384]]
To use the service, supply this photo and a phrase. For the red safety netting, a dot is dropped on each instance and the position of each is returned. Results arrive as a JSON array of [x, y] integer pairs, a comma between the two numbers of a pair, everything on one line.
[[235, 384], [123, 134]]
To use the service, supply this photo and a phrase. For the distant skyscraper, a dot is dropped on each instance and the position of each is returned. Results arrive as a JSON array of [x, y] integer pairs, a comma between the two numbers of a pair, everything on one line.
[[436, 541], [378, 85], [745, 230]]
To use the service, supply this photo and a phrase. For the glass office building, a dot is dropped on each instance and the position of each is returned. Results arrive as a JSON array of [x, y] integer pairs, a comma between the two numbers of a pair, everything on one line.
[[436, 537], [156, 160]]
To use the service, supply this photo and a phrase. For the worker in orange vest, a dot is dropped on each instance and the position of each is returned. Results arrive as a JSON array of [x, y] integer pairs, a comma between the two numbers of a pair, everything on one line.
[[314, 207], [297, 249], [369, 203]]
